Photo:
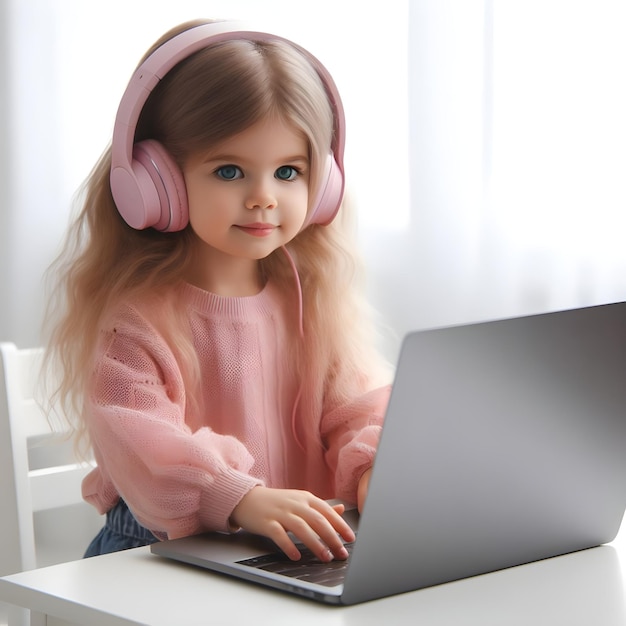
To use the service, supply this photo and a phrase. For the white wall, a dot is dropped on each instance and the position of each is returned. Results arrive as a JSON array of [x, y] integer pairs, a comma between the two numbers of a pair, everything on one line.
[[6, 214]]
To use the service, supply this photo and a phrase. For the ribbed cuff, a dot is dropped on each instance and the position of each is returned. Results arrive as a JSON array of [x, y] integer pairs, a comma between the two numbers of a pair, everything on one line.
[[222, 496]]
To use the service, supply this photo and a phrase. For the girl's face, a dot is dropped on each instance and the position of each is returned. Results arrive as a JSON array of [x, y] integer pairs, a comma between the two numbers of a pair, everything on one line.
[[248, 195]]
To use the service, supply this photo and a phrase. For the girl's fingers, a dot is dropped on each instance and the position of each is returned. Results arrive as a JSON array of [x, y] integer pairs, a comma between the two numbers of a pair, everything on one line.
[[339, 509], [321, 532], [338, 523], [280, 537], [275, 513], [324, 550]]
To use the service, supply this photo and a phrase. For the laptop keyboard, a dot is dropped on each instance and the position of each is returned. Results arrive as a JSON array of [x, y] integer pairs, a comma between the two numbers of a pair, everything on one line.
[[308, 568]]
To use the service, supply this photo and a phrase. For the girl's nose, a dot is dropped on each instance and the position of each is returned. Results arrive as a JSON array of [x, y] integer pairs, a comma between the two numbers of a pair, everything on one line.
[[260, 196]]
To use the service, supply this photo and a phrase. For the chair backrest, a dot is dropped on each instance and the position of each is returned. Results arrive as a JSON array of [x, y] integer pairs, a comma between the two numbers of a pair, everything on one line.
[[25, 432]]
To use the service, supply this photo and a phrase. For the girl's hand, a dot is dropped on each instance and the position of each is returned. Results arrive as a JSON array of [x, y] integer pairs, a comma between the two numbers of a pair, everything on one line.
[[364, 485], [275, 512]]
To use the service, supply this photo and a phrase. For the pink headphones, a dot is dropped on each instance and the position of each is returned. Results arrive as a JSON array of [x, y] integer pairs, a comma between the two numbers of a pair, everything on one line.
[[148, 186]]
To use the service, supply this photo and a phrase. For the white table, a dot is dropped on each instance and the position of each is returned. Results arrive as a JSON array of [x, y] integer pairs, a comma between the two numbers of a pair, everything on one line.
[[136, 587]]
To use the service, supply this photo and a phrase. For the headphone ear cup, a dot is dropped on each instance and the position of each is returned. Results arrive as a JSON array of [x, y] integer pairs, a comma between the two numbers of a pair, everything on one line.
[[329, 195], [171, 212]]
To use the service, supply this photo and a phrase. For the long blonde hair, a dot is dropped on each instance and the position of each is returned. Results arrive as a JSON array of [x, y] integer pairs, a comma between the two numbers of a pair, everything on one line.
[[210, 96]]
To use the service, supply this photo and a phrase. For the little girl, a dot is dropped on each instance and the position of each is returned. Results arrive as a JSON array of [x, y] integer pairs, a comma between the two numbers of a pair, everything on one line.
[[205, 319]]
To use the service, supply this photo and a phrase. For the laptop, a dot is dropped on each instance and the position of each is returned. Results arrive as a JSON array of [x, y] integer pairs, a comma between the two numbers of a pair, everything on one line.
[[504, 443]]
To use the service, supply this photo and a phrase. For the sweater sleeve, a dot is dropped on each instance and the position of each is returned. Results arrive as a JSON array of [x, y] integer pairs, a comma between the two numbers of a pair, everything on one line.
[[176, 482], [351, 433]]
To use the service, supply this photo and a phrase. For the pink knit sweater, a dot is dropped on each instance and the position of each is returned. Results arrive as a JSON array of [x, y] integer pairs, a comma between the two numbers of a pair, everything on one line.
[[183, 471]]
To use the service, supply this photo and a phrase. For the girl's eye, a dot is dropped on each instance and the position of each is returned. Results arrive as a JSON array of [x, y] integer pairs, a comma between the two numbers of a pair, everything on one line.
[[286, 172], [229, 172]]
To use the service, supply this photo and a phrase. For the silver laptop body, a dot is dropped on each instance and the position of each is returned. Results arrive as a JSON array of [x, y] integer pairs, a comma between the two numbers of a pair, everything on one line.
[[504, 443]]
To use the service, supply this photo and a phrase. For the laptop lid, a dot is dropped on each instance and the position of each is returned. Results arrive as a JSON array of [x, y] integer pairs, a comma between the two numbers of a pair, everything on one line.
[[503, 444]]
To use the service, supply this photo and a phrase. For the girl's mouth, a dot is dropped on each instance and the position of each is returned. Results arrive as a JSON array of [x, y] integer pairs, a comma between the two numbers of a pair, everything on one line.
[[257, 229]]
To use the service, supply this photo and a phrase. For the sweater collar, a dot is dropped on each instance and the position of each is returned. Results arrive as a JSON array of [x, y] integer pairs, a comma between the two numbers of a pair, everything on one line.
[[262, 303]]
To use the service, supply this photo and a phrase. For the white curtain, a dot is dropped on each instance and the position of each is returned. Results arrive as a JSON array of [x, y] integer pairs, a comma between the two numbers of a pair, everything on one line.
[[518, 157], [486, 142]]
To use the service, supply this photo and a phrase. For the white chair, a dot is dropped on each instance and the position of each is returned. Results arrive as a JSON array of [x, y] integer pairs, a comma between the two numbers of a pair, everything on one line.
[[25, 433]]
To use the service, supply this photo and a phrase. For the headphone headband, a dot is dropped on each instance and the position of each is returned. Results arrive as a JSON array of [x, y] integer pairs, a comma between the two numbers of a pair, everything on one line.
[[132, 186]]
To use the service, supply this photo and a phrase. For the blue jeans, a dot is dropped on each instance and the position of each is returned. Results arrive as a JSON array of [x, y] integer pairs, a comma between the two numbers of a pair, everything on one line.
[[120, 532]]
